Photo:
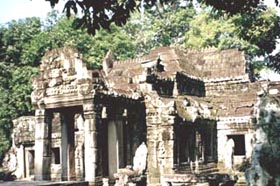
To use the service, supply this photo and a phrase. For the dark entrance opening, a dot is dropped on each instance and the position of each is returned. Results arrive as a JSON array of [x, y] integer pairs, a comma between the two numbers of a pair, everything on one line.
[[56, 155], [239, 144]]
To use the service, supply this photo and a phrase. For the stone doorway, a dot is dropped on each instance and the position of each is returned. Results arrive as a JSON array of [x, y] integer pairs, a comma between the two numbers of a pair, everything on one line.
[[29, 162], [194, 143], [68, 167], [66, 147]]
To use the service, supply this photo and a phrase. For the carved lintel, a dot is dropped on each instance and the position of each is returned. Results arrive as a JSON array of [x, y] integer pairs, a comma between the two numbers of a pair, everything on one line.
[[85, 89], [62, 89]]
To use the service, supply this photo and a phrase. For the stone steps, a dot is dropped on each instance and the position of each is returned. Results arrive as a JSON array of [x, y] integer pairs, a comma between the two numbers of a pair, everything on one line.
[[203, 169], [65, 183]]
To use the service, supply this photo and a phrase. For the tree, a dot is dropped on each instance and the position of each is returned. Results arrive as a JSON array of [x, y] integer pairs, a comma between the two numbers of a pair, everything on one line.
[[14, 36], [100, 14], [253, 33], [161, 26], [4, 111]]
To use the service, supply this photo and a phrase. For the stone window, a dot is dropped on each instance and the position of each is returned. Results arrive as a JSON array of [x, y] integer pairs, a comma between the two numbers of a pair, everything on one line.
[[239, 144], [56, 155]]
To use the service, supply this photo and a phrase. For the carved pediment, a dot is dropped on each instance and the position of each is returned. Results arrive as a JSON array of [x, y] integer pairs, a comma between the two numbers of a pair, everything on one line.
[[62, 72]]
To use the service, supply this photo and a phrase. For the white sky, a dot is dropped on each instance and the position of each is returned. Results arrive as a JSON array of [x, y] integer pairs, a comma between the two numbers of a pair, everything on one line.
[[19, 9]]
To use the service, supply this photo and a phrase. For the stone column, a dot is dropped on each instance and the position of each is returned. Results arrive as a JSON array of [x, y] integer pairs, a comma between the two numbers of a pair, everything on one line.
[[27, 171], [160, 141], [115, 141], [120, 138], [42, 145], [67, 146], [221, 142], [165, 151], [249, 137], [90, 117], [79, 143], [113, 149], [153, 172]]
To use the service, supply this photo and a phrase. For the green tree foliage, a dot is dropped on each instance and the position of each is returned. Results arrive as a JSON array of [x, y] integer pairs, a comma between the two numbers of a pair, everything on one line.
[[100, 14], [161, 26], [14, 102], [5, 107], [255, 33]]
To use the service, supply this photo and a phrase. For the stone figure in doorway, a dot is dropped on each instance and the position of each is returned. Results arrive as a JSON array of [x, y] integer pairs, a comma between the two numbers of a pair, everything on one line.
[[229, 151], [138, 168]]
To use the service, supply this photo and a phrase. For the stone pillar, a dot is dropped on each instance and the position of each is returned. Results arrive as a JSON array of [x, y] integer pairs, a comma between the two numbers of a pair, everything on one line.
[[67, 146], [166, 144], [90, 117], [120, 136], [221, 142], [79, 149], [115, 142], [160, 141], [249, 137], [42, 145], [153, 122], [27, 171], [113, 149]]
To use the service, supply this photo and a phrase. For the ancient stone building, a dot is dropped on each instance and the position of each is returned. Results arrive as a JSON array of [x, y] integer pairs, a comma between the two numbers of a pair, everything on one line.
[[192, 109]]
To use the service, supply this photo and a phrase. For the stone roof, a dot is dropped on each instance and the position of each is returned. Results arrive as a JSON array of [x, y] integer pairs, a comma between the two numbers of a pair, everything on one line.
[[207, 65], [229, 105], [125, 76], [212, 64]]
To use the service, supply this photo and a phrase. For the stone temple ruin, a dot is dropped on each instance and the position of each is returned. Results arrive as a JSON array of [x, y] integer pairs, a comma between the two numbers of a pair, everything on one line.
[[191, 111]]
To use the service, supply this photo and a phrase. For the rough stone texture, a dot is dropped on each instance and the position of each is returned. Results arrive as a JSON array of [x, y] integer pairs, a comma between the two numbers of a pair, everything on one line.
[[184, 104], [24, 130], [265, 158]]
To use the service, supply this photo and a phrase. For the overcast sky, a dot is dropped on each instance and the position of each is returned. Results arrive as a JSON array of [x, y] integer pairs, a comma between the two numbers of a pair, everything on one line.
[[19, 9]]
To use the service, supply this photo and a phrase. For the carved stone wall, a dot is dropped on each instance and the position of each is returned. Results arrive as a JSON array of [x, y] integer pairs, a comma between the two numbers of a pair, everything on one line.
[[24, 130], [160, 139], [225, 87]]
